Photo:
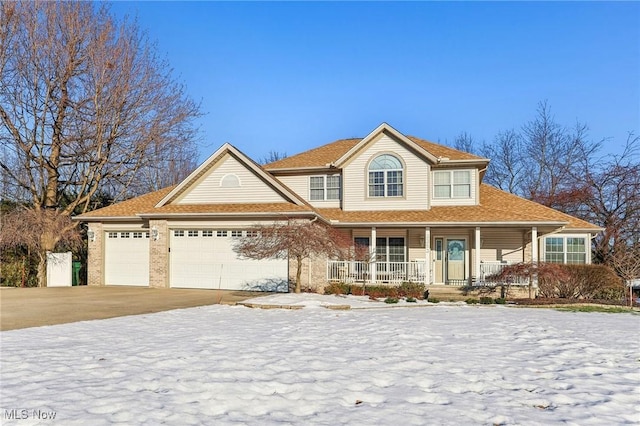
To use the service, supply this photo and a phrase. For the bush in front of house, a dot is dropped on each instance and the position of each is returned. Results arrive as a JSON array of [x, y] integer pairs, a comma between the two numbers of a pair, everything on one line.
[[567, 281], [391, 300], [471, 301], [404, 290], [485, 300]]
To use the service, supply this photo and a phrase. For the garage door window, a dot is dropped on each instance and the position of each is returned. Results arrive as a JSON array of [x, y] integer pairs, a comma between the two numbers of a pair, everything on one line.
[[178, 233], [221, 233], [193, 233], [124, 235], [207, 233], [113, 235]]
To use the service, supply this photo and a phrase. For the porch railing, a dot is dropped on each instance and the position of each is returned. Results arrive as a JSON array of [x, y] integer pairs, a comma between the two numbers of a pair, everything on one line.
[[490, 271], [398, 272], [390, 272]]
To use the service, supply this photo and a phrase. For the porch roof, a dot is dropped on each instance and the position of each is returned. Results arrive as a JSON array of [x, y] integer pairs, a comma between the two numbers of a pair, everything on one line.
[[497, 208]]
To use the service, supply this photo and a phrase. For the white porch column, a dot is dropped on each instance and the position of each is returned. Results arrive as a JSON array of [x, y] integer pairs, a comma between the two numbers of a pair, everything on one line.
[[476, 258], [427, 255], [373, 248], [534, 244]]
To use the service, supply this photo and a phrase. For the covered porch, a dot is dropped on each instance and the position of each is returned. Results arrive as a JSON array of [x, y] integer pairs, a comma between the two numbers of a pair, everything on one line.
[[469, 256]]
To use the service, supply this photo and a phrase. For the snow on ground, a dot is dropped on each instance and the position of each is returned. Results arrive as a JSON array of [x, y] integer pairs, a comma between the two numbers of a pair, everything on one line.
[[434, 364]]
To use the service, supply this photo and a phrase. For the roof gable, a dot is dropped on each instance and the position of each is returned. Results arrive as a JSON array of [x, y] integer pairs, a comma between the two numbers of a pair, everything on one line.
[[219, 180], [335, 154]]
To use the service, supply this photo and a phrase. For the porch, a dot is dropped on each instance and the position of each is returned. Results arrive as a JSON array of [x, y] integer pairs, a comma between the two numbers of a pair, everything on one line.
[[348, 271]]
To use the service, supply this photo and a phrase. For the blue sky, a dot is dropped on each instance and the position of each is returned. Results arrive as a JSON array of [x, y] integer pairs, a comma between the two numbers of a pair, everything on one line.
[[289, 76]]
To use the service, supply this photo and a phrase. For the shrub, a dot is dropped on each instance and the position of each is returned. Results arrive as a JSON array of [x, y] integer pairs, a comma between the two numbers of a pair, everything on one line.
[[486, 300], [568, 281], [406, 290], [415, 290], [334, 288], [500, 301], [471, 301], [391, 300], [433, 300], [411, 299]]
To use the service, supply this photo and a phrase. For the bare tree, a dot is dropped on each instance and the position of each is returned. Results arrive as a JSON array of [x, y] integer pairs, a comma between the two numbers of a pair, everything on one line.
[[562, 169], [552, 152], [271, 157], [507, 163], [85, 104], [610, 197], [465, 142], [297, 239]]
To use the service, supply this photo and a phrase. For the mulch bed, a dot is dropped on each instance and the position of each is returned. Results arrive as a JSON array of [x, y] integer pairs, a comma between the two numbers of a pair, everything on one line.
[[542, 301]]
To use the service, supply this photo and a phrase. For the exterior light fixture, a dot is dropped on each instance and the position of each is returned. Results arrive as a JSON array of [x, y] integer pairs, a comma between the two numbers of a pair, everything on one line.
[[91, 235], [154, 233]]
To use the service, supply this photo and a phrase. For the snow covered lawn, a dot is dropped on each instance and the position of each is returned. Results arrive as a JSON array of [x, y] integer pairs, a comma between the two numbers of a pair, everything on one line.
[[437, 364]]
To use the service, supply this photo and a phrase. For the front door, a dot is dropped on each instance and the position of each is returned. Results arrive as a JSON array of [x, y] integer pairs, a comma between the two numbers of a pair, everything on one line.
[[456, 249]]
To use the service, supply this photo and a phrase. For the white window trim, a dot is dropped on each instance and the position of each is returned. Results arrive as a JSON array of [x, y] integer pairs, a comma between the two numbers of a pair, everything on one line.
[[587, 247], [452, 185], [325, 188], [385, 174]]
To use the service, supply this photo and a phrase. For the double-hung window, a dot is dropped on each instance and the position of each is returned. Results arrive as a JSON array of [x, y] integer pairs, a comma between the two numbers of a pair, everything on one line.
[[561, 249], [324, 187], [386, 177], [452, 184]]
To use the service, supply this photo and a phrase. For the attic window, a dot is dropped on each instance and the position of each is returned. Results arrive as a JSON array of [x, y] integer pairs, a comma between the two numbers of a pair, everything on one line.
[[230, 181], [386, 177]]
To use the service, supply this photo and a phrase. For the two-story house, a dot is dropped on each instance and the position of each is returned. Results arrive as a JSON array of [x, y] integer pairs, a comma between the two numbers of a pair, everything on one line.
[[420, 207]]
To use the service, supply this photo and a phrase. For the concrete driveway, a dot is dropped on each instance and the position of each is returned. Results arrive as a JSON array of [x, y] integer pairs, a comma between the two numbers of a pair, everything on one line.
[[34, 307]]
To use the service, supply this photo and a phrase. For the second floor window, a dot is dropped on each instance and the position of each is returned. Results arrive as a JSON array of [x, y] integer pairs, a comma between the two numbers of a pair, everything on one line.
[[324, 188], [385, 177], [452, 184]]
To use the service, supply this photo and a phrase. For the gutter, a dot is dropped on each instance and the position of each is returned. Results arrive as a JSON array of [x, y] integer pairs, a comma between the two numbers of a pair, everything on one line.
[[442, 224]]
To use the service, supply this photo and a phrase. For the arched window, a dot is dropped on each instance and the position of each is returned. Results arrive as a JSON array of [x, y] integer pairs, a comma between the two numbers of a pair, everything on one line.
[[230, 181], [385, 177]]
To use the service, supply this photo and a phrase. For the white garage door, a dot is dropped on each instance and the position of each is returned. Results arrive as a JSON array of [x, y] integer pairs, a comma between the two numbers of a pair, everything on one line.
[[204, 258], [126, 260]]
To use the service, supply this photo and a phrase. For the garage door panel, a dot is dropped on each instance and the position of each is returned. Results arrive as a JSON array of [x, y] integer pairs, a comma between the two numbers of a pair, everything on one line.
[[207, 260], [126, 258]]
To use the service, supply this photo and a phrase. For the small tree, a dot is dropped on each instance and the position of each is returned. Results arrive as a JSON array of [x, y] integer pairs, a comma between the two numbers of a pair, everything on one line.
[[22, 229], [296, 239]]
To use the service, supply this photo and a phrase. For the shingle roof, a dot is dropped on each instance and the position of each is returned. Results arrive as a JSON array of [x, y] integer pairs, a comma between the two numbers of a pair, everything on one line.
[[327, 154], [497, 206], [129, 208], [145, 204]]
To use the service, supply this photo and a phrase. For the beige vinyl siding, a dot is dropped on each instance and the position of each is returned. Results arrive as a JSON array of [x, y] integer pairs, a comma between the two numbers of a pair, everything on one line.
[[355, 179], [502, 245], [416, 249], [472, 200], [251, 188], [300, 185]]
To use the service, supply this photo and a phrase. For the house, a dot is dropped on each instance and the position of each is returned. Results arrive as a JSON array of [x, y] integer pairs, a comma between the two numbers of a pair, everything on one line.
[[420, 207]]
